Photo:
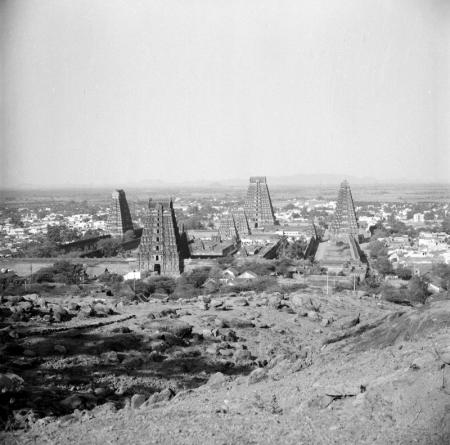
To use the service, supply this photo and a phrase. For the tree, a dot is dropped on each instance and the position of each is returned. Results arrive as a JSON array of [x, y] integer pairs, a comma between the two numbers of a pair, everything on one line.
[[384, 266], [16, 220], [418, 289], [377, 249], [442, 272], [296, 249], [129, 235], [54, 234], [405, 273], [109, 246], [445, 227]]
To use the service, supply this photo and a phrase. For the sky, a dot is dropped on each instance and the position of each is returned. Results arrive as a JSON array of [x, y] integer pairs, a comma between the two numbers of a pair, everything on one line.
[[130, 92]]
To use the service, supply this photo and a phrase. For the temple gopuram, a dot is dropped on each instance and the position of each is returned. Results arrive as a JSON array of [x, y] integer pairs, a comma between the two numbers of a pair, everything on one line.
[[161, 247], [258, 205], [234, 225], [119, 216], [339, 251]]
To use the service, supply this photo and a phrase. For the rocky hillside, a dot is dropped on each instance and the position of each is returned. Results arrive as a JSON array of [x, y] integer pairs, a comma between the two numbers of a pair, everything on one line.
[[247, 368]]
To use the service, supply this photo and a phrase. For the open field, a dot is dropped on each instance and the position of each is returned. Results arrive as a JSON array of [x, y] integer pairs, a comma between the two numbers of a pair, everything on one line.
[[361, 193]]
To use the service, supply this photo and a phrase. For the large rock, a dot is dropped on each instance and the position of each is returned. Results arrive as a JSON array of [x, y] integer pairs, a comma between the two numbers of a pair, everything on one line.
[[239, 323], [162, 396], [305, 302], [10, 382], [257, 375], [79, 401], [313, 315], [176, 327], [137, 400], [274, 301], [242, 355], [237, 302], [217, 379]]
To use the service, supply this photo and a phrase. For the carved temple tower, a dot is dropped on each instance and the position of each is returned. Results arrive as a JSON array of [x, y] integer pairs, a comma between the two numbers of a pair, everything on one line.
[[344, 222], [235, 224], [258, 205], [160, 250], [119, 217]]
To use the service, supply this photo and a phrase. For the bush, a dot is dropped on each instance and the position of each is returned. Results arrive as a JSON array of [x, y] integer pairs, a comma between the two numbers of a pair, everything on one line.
[[110, 278], [261, 284], [442, 272], [405, 273], [161, 285], [261, 268], [416, 292]]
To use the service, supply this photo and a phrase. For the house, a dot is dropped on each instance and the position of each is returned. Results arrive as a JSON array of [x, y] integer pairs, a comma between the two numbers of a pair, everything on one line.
[[230, 273], [5, 253], [134, 275], [248, 275]]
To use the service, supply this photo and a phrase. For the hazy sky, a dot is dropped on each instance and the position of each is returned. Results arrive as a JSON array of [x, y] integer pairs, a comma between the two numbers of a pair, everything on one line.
[[117, 92]]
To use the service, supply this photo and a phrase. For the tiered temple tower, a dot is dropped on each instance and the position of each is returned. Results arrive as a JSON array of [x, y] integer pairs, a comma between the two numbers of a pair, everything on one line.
[[235, 224], [119, 217], [258, 205], [344, 222], [160, 248]]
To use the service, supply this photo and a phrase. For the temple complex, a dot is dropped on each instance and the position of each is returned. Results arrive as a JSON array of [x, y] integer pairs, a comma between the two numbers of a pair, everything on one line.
[[160, 250], [339, 250], [119, 217], [258, 205]]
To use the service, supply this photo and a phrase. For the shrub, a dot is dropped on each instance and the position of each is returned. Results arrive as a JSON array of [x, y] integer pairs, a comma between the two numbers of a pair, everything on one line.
[[415, 292], [405, 273]]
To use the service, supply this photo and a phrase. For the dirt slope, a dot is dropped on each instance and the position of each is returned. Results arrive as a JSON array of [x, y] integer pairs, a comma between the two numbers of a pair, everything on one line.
[[386, 381]]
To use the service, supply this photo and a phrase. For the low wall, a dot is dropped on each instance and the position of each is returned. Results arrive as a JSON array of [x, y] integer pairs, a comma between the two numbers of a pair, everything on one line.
[[94, 266]]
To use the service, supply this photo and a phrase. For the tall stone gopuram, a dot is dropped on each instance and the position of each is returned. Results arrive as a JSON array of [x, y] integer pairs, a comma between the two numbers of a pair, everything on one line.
[[339, 252], [160, 249], [119, 216], [344, 221], [258, 205], [235, 224]]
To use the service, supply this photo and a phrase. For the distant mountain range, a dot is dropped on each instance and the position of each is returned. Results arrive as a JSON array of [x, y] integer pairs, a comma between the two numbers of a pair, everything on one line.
[[279, 181]]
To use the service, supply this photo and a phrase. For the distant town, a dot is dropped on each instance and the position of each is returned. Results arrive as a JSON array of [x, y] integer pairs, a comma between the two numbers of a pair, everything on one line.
[[350, 240]]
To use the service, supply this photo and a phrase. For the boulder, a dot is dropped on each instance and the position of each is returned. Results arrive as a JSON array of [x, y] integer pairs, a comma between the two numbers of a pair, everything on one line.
[[157, 345], [105, 408], [137, 401], [238, 302], [202, 305], [239, 323], [10, 382], [79, 401], [60, 314], [274, 301], [242, 355], [162, 396], [60, 348], [256, 376], [302, 301], [313, 315], [176, 327], [217, 379], [226, 352], [220, 323], [204, 298]]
